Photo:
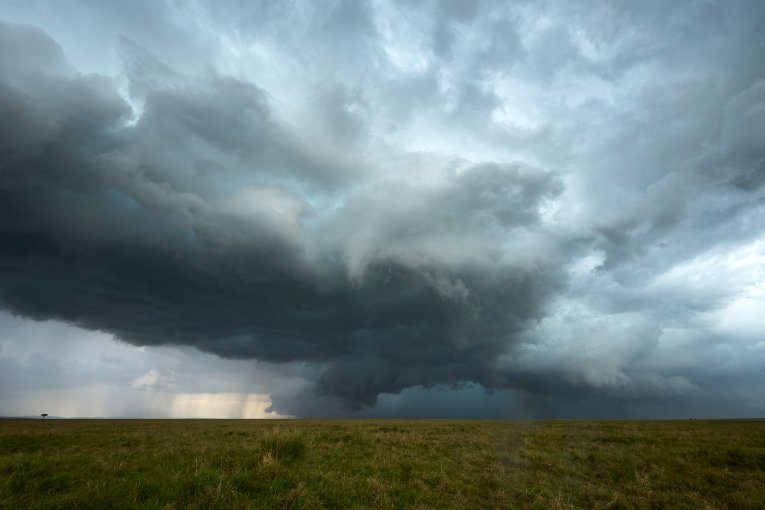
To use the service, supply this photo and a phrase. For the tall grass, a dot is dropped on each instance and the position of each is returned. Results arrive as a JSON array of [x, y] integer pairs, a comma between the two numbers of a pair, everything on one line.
[[285, 444]]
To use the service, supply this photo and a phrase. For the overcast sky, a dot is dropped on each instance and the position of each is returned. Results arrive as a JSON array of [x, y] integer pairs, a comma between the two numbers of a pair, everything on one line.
[[416, 209]]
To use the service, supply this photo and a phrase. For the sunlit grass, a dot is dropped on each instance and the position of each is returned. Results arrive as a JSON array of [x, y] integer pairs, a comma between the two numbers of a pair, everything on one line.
[[381, 464]]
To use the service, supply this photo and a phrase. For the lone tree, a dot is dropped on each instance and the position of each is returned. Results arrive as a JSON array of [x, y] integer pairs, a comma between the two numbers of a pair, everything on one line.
[[44, 415]]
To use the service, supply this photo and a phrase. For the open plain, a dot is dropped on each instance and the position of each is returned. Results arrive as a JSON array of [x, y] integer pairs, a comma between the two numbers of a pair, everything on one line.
[[381, 464]]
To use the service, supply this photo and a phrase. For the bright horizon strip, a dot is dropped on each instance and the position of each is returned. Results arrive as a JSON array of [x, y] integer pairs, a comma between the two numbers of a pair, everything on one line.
[[96, 402]]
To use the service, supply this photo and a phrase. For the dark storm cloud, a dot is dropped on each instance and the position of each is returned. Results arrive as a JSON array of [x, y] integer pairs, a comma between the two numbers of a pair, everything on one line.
[[560, 203], [130, 227], [190, 131]]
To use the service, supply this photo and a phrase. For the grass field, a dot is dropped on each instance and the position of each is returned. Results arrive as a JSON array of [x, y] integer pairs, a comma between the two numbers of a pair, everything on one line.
[[381, 464]]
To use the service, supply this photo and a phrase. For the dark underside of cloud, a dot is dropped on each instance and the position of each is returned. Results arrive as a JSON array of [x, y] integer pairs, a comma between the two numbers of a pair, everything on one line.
[[194, 208], [103, 224]]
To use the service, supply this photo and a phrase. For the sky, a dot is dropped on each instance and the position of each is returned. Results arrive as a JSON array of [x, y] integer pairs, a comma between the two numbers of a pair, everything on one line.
[[457, 209]]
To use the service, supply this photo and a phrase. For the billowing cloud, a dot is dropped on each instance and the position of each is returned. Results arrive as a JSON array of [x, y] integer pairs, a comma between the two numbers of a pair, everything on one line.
[[535, 201]]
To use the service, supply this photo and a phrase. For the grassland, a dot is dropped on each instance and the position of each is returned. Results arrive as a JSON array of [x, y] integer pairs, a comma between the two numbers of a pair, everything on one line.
[[381, 464]]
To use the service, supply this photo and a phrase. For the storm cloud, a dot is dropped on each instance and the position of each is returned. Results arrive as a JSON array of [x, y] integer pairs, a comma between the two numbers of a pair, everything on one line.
[[407, 201]]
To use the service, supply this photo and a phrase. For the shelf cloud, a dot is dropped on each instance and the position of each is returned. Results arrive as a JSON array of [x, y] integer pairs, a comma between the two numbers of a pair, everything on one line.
[[397, 204]]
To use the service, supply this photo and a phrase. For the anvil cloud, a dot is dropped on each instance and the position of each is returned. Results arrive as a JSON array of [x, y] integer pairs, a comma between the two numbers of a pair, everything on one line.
[[445, 208]]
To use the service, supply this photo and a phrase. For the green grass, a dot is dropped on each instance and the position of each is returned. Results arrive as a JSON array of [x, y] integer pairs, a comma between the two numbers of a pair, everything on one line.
[[381, 464]]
